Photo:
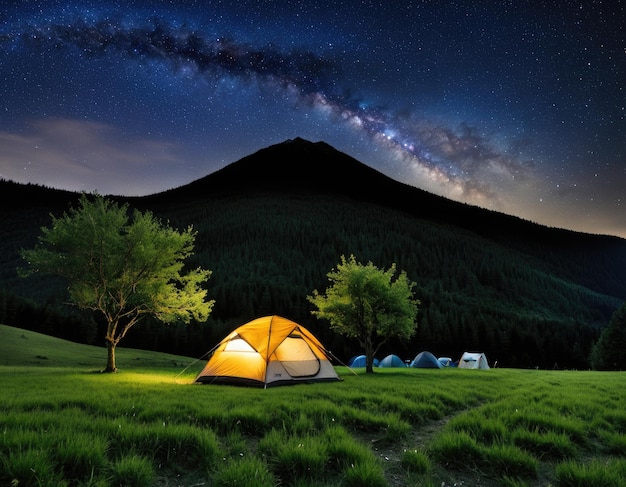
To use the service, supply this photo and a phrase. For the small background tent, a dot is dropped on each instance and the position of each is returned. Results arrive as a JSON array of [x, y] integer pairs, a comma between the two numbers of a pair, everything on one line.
[[392, 361], [445, 361], [268, 351], [473, 360], [425, 360], [360, 361]]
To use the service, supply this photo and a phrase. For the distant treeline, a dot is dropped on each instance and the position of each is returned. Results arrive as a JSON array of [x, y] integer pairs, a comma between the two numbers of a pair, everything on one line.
[[534, 300]]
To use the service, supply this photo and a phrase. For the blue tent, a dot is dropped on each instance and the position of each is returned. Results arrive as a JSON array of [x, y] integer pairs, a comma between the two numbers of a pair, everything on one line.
[[392, 361], [445, 361], [359, 361], [426, 360]]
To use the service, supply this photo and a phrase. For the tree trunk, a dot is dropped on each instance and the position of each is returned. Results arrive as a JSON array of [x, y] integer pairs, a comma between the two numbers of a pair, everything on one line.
[[110, 357], [369, 361], [369, 355]]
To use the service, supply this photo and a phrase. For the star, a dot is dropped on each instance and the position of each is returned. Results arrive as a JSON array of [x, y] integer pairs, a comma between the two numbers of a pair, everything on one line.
[[482, 102]]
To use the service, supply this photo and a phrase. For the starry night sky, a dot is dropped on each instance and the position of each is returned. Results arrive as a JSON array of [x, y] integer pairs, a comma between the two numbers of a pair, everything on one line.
[[517, 106]]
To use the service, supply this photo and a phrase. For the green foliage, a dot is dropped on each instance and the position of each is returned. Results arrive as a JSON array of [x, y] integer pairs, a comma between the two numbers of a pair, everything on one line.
[[460, 450], [548, 445], [123, 269], [73, 427], [488, 431], [367, 303], [360, 474], [179, 444], [614, 443], [510, 461], [396, 428], [545, 420], [244, 472], [593, 474], [132, 471], [30, 467], [608, 352], [26, 348], [342, 450], [457, 449], [81, 454], [415, 461], [293, 456], [527, 296], [513, 482]]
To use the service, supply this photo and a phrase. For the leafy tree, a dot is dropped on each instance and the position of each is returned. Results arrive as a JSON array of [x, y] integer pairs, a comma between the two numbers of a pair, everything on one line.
[[120, 267], [368, 304], [608, 351]]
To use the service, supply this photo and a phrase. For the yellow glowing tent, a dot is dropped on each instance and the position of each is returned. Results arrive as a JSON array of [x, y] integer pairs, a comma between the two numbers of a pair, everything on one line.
[[266, 352]]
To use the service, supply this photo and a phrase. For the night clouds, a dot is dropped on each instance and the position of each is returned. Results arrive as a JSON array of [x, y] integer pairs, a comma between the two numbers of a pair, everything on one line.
[[89, 156], [516, 109]]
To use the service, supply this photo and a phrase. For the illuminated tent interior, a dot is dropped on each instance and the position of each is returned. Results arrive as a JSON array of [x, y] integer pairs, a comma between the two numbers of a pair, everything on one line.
[[266, 352]]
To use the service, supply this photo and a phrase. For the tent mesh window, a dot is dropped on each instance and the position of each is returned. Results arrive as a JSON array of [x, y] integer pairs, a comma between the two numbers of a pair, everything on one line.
[[297, 357]]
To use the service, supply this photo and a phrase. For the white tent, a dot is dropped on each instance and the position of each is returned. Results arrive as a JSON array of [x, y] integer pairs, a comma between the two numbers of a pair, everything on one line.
[[473, 360]]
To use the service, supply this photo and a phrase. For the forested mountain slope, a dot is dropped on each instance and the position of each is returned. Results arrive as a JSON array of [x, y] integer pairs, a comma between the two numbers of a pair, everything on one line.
[[271, 225]]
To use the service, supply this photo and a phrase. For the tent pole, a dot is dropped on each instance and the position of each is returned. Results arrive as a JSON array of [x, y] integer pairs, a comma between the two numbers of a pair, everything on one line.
[[328, 352]]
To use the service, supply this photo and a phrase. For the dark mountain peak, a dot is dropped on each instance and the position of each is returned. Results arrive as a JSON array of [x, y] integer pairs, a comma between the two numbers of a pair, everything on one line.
[[298, 158], [303, 143], [298, 141], [294, 165], [300, 166]]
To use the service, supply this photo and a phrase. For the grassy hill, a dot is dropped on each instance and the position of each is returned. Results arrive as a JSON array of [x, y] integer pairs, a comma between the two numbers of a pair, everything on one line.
[[19, 347], [271, 226], [149, 425]]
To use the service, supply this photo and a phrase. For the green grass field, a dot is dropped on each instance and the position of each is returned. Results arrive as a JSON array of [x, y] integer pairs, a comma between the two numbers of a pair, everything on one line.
[[63, 423]]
